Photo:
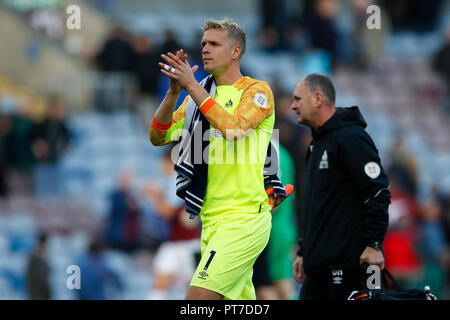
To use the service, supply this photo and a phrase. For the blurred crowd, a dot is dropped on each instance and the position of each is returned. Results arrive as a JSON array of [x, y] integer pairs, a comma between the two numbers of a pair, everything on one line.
[[136, 55], [418, 240], [30, 148], [320, 25]]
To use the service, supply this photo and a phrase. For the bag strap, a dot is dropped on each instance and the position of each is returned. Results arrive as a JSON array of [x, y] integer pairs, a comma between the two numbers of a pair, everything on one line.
[[387, 275]]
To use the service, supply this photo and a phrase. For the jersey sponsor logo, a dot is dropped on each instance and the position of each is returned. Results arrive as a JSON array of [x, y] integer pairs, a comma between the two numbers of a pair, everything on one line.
[[324, 162], [260, 100], [372, 169], [229, 104]]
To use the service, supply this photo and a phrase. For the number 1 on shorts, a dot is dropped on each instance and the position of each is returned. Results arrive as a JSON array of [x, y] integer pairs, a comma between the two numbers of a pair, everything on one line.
[[209, 260]]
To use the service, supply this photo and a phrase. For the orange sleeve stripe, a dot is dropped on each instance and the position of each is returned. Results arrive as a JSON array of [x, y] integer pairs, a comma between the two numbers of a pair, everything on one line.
[[159, 126], [207, 105]]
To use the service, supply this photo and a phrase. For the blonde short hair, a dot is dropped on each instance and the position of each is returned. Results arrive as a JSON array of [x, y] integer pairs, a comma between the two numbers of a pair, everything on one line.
[[235, 33]]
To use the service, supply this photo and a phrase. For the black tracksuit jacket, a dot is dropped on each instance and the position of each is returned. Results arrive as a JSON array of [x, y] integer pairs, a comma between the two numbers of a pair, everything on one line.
[[346, 197]]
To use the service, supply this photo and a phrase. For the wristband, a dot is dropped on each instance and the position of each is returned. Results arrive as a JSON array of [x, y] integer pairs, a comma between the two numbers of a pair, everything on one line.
[[159, 126], [206, 105]]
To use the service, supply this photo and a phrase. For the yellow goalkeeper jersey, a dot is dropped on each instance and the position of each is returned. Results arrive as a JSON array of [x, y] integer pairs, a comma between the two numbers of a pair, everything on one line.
[[243, 113]]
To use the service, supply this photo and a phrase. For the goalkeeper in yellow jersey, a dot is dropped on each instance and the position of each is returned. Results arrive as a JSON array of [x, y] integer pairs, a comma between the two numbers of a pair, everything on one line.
[[225, 126]]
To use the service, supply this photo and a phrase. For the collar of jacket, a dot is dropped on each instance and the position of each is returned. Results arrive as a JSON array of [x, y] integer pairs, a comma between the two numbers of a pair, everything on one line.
[[343, 117]]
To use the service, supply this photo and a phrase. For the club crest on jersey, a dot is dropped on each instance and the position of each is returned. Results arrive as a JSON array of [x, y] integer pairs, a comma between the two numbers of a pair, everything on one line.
[[324, 162], [229, 104]]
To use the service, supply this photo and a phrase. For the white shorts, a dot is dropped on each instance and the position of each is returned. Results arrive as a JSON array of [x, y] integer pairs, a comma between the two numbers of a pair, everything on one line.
[[177, 258]]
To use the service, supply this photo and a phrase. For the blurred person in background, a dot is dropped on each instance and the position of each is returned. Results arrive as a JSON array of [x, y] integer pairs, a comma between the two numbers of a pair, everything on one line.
[[264, 288], [116, 54], [38, 272], [445, 201], [20, 155], [51, 139], [402, 258], [321, 22], [98, 280], [295, 139], [170, 42], [290, 133], [440, 63], [403, 166], [367, 46], [283, 235], [274, 22], [296, 38], [195, 51], [145, 69], [122, 229], [115, 59], [320, 53], [5, 127], [176, 259], [272, 275], [412, 15], [433, 247]]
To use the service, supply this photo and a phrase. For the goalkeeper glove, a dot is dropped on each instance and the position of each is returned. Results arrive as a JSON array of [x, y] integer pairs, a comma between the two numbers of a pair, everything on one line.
[[275, 199]]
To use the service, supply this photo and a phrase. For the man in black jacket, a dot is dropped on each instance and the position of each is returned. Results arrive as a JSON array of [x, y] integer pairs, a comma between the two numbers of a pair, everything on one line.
[[344, 209]]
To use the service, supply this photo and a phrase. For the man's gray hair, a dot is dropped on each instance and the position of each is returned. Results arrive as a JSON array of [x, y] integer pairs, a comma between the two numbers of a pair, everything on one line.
[[319, 82], [236, 34]]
